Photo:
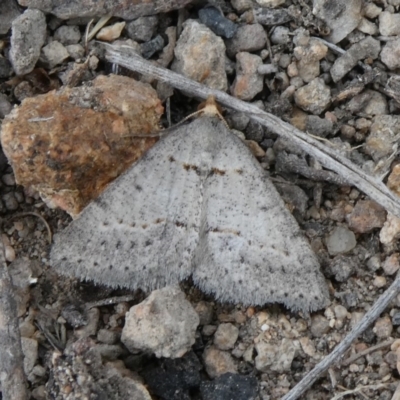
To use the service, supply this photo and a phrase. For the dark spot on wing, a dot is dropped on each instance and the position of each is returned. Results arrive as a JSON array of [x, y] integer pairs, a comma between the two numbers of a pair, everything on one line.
[[103, 243], [118, 245], [189, 167], [148, 242], [120, 221], [171, 158], [64, 259], [239, 171], [286, 294], [110, 267], [138, 188], [132, 225], [159, 220], [100, 202], [133, 244], [95, 264], [79, 261], [301, 296], [144, 226], [105, 223], [180, 224], [216, 171], [218, 230]]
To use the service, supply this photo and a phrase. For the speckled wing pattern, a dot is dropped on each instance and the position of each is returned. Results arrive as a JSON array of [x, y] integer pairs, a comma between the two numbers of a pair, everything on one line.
[[198, 203]]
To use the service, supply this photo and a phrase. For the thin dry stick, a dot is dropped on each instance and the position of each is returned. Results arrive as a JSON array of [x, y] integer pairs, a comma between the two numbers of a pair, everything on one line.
[[327, 156], [359, 390], [372, 314], [12, 376], [34, 214], [365, 352], [111, 300]]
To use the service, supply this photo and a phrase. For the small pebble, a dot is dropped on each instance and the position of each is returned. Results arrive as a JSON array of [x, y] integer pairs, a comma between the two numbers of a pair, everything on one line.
[[10, 201], [391, 264], [209, 330], [110, 33], [248, 82], [396, 319], [75, 51], [107, 336], [143, 28], [341, 240], [225, 337], [68, 34], [248, 38], [383, 327], [215, 20], [313, 97], [230, 386], [218, 362], [379, 281], [53, 54], [366, 216], [205, 310], [8, 179], [319, 326], [152, 46]]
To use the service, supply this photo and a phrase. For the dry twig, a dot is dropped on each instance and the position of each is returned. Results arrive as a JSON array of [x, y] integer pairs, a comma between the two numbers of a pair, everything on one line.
[[34, 214], [365, 352], [12, 376], [359, 390]]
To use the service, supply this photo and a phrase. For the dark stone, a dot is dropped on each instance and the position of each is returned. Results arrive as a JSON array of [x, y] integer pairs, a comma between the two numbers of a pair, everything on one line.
[[318, 126], [349, 299], [396, 319], [342, 267], [230, 386], [174, 378], [73, 316], [254, 131], [5, 68], [152, 46], [9, 10], [293, 195], [213, 19]]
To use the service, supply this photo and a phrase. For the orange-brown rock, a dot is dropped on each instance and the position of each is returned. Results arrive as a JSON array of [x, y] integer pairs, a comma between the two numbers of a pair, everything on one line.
[[366, 216], [68, 145]]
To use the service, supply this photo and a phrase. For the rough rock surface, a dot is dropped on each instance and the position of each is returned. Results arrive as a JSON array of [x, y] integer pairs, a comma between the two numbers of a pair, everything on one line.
[[248, 81], [27, 38], [341, 16], [79, 139], [116, 8], [199, 55], [164, 324]]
